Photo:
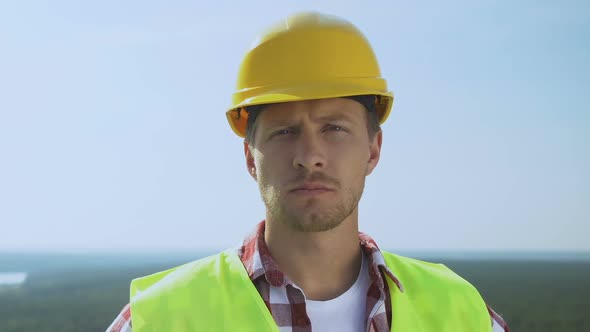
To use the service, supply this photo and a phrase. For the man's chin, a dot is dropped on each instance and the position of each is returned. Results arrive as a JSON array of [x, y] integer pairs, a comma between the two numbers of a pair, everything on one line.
[[313, 223]]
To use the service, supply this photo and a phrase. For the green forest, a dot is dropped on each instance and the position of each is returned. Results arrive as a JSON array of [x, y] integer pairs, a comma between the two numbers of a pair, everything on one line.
[[86, 292]]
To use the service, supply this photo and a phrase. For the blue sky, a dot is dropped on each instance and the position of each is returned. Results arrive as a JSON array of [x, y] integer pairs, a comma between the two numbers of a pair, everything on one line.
[[113, 134]]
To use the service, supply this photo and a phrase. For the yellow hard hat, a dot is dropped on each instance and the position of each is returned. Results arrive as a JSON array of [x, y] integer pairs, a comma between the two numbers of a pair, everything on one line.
[[307, 56]]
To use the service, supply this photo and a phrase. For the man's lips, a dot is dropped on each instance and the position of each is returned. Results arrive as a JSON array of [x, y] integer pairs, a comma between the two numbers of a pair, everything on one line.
[[311, 187]]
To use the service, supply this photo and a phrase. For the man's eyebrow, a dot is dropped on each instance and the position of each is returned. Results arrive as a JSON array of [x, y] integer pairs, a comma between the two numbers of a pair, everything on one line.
[[329, 117], [336, 117], [279, 123]]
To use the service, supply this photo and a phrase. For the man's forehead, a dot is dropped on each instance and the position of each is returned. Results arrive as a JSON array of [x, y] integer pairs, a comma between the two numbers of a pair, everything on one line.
[[316, 109]]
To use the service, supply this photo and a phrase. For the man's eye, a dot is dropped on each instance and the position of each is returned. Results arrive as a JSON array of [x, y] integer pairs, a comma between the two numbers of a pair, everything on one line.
[[334, 128], [282, 132]]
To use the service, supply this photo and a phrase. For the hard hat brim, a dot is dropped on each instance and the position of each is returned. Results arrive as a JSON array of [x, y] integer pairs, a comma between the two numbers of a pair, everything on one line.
[[238, 117]]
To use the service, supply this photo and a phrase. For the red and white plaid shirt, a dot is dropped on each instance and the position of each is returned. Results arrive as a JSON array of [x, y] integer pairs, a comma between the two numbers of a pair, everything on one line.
[[290, 315]]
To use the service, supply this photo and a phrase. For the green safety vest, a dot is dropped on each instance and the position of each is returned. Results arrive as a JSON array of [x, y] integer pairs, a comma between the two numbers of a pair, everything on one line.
[[216, 294]]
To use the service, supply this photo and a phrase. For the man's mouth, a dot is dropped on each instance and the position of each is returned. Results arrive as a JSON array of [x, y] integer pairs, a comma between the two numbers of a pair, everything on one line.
[[311, 188]]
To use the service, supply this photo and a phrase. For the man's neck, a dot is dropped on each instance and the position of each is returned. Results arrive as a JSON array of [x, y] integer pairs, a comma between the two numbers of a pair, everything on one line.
[[324, 264]]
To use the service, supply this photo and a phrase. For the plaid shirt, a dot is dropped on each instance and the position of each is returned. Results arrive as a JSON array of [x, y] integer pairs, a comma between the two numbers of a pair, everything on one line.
[[288, 305]]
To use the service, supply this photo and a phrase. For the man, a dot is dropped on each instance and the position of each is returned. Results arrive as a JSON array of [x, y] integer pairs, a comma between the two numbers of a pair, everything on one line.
[[309, 102]]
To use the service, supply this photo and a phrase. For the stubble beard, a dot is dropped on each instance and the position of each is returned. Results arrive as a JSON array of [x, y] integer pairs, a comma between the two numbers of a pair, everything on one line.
[[311, 217]]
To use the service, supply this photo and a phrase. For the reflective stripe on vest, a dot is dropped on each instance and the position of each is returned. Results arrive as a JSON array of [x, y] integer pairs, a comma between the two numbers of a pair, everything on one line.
[[216, 294]]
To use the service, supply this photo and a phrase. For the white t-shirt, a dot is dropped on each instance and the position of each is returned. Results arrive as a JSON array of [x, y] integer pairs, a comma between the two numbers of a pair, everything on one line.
[[346, 313]]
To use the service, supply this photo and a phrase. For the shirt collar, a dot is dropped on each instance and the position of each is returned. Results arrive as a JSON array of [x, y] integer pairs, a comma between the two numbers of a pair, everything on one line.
[[258, 262]]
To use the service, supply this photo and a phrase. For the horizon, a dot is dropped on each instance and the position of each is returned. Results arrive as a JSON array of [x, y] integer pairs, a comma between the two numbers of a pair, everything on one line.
[[198, 251]]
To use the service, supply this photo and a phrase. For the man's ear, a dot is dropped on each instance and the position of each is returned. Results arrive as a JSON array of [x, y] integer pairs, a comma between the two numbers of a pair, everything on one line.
[[250, 161], [374, 152]]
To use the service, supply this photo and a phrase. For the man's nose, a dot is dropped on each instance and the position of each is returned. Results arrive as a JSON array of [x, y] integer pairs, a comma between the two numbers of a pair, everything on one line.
[[309, 152]]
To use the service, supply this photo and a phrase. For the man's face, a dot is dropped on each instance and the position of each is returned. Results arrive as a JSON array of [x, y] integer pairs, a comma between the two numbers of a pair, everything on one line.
[[310, 159]]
